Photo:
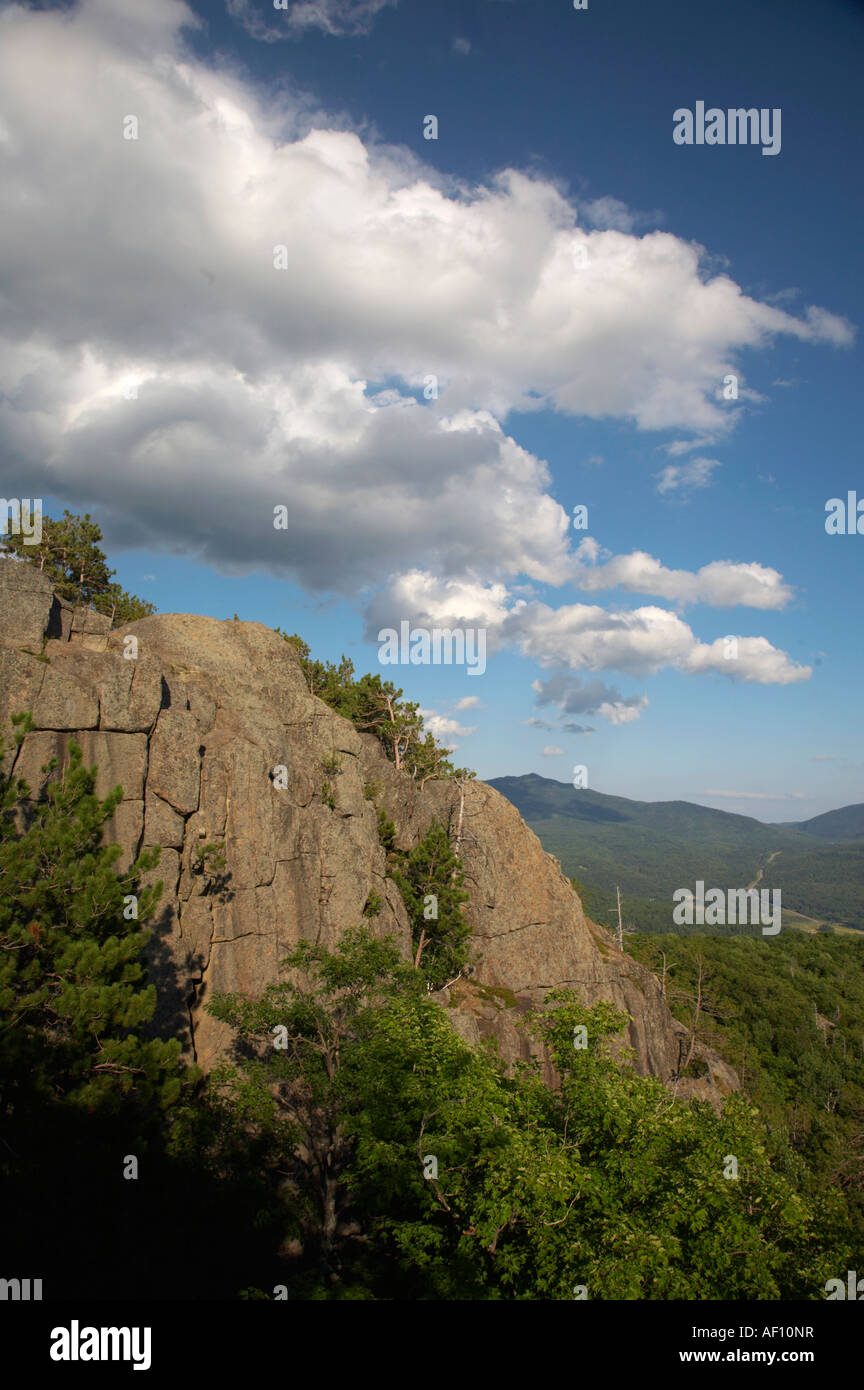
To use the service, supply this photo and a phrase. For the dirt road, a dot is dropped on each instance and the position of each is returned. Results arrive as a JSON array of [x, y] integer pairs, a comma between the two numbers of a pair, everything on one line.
[[761, 874]]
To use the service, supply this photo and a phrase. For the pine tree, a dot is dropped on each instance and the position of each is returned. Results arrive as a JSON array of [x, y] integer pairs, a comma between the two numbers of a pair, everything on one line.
[[430, 880], [69, 555], [375, 706], [73, 986]]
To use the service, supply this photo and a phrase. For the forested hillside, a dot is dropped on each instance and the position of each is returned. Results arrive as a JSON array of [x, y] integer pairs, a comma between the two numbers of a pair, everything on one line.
[[789, 1014], [649, 849], [353, 1145], [847, 823]]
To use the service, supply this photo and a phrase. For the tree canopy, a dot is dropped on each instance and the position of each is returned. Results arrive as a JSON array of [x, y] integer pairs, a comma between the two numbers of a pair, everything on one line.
[[376, 706], [416, 1166], [69, 555]]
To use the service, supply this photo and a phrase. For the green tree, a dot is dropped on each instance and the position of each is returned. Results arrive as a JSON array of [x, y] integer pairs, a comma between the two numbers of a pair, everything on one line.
[[417, 1166], [73, 985], [69, 555], [293, 1090], [376, 706], [430, 879]]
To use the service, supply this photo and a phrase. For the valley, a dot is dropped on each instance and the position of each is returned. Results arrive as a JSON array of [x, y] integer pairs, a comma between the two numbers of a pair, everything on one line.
[[650, 849]]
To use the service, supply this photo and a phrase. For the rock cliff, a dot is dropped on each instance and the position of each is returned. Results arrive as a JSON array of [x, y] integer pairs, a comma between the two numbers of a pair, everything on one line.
[[193, 718]]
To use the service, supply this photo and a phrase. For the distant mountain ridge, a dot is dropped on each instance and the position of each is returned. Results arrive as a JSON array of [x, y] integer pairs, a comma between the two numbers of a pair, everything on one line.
[[846, 823], [651, 848]]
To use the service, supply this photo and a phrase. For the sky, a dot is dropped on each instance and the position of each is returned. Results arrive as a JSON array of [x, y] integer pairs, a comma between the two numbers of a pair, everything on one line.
[[238, 274]]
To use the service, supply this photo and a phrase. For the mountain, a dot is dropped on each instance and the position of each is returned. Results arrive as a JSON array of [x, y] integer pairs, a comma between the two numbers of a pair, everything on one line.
[[652, 848], [194, 718], [847, 823]]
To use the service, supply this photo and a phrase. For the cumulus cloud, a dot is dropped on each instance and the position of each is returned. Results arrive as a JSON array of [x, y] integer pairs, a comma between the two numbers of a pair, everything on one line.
[[445, 729], [696, 473], [575, 696], [428, 601], [756, 660], [722, 583], [551, 751], [581, 637], [640, 641], [469, 702], [157, 367], [390, 271], [609, 212]]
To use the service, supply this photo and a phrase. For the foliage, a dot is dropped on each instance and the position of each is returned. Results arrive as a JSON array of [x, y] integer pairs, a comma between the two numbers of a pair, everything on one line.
[[356, 1147], [210, 862], [69, 555], [373, 904], [788, 1013], [430, 880], [375, 706], [73, 991], [650, 849], [605, 1183], [387, 834]]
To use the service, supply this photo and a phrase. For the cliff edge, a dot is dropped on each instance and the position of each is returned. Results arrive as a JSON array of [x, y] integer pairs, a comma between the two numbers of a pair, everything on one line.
[[193, 727]]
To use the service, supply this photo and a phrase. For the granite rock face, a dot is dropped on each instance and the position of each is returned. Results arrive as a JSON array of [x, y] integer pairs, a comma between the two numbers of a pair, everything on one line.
[[209, 728]]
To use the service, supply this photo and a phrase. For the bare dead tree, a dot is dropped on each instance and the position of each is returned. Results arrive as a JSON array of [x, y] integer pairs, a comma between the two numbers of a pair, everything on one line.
[[697, 1014]]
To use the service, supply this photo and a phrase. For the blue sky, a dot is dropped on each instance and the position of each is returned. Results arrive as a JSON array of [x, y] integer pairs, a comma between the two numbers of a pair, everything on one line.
[[567, 385]]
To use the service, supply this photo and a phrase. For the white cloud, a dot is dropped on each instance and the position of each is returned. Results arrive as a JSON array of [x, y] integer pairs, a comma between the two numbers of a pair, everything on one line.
[[625, 711], [609, 212], [257, 386], [722, 583], [392, 271], [641, 641], [293, 18], [551, 751], [696, 473], [756, 661], [469, 702], [582, 637], [686, 446], [429, 601], [444, 729], [460, 45]]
